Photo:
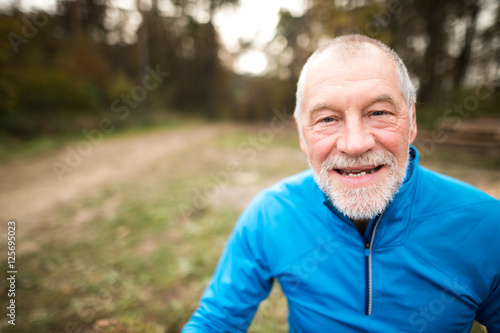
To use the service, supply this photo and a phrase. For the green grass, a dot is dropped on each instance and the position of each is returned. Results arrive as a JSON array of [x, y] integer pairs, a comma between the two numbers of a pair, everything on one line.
[[136, 257]]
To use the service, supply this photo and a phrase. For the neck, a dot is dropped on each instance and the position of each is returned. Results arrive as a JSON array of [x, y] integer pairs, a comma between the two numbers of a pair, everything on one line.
[[361, 224]]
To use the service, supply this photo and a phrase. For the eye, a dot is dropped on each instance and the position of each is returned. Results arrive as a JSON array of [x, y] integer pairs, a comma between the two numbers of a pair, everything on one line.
[[379, 113], [327, 120]]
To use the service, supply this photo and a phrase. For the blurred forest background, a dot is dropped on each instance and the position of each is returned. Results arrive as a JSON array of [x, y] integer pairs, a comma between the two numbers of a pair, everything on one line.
[[123, 234], [61, 70]]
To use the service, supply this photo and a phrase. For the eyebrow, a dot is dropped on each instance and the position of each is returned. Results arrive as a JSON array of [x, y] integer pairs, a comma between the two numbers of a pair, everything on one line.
[[383, 98], [321, 106]]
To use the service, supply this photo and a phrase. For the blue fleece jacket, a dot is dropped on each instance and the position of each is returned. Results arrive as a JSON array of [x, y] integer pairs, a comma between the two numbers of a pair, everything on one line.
[[429, 263]]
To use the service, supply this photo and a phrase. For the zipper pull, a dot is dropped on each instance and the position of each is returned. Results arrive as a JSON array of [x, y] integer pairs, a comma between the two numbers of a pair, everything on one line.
[[367, 249]]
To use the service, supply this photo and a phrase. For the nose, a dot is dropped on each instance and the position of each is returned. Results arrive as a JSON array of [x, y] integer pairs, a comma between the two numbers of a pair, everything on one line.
[[355, 138]]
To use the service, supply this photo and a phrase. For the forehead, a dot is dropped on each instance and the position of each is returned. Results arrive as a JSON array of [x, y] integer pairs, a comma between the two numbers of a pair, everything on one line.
[[367, 69]]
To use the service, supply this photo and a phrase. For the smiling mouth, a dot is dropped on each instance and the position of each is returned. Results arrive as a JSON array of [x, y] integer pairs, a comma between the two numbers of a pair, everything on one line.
[[358, 172]]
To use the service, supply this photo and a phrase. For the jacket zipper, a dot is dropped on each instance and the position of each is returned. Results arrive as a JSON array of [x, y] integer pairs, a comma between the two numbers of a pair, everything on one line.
[[368, 269], [368, 262]]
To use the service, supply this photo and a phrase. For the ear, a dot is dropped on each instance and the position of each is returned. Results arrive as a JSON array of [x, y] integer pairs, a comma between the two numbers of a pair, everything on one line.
[[413, 129], [303, 145]]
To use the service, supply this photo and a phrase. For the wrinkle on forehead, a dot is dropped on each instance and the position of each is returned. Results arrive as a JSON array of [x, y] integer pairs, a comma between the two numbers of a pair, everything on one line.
[[369, 66]]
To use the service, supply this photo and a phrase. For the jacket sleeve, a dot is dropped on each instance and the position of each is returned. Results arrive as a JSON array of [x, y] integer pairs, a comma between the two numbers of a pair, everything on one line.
[[241, 280], [489, 311]]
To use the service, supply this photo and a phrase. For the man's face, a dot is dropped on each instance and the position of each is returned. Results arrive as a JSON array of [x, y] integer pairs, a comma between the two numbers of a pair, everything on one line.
[[356, 130]]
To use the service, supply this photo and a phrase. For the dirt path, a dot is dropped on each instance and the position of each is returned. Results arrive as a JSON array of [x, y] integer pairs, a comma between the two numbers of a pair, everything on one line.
[[32, 189]]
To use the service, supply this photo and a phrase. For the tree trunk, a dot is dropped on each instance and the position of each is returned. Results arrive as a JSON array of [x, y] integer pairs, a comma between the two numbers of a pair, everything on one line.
[[463, 60], [430, 77]]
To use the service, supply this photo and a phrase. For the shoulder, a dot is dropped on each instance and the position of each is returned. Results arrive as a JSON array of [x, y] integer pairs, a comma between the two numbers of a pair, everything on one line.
[[441, 192], [286, 219], [444, 203]]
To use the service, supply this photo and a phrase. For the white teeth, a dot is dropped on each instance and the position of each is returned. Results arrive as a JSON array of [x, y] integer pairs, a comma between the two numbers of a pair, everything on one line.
[[357, 173]]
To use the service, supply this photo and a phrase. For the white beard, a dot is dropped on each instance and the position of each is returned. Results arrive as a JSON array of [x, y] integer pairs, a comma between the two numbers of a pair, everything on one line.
[[363, 202]]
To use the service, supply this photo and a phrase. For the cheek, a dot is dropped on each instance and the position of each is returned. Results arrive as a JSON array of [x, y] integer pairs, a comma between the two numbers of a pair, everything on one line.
[[395, 142], [319, 147]]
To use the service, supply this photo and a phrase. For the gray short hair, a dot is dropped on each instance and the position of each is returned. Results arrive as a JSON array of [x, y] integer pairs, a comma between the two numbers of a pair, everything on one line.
[[347, 46]]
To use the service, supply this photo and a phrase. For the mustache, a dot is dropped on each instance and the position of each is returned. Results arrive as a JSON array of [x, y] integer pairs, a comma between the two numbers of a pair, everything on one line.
[[375, 158]]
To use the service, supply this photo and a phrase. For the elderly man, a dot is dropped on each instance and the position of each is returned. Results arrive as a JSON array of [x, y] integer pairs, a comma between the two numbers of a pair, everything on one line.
[[367, 240]]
